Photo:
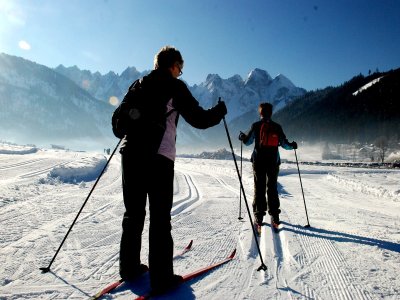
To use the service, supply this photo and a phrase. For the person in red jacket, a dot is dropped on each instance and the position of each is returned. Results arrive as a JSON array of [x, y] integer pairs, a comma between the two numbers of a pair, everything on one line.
[[267, 135], [148, 170]]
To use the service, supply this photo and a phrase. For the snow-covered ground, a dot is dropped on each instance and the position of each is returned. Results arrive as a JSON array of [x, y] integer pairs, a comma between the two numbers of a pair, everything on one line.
[[351, 250]]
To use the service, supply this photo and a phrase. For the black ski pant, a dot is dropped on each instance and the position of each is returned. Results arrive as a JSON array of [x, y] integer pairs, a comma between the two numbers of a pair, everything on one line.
[[265, 183], [152, 178]]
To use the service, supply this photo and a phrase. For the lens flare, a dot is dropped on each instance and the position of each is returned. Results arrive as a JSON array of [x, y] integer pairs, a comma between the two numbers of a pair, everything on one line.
[[86, 84], [113, 101]]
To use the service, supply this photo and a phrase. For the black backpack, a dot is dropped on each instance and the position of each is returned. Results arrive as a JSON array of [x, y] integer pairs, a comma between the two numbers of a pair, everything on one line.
[[121, 117], [141, 117]]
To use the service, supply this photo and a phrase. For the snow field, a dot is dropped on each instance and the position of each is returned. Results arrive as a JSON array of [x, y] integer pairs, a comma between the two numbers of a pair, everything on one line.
[[350, 252]]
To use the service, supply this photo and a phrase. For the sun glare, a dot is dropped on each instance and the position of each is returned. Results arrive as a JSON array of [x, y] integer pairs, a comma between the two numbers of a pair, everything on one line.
[[24, 45]]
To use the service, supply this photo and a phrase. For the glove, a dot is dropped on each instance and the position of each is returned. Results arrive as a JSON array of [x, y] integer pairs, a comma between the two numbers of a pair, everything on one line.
[[294, 145], [221, 108], [242, 136]]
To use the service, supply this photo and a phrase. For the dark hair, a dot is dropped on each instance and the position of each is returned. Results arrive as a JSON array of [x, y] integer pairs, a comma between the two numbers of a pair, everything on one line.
[[167, 57], [265, 109]]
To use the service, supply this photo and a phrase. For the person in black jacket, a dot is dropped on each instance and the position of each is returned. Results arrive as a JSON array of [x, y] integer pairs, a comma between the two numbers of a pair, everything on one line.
[[267, 135], [148, 171]]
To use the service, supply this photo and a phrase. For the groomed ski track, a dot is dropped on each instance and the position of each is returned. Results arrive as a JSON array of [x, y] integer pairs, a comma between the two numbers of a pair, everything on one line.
[[321, 262]]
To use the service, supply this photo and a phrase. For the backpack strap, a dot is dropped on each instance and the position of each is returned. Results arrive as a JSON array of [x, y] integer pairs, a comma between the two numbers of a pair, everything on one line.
[[169, 113]]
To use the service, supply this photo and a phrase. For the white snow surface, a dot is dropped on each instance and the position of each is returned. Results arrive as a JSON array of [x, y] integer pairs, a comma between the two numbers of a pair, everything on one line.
[[351, 250], [367, 86]]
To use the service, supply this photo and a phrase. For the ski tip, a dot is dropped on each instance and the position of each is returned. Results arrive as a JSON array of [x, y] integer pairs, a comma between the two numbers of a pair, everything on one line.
[[232, 254], [107, 289], [189, 245]]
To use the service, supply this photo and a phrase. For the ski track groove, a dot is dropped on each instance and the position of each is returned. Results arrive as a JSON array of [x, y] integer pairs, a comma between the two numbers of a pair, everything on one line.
[[282, 258], [113, 185], [44, 171], [192, 197], [192, 210], [21, 163], [181, 187], [58, 222], [218, 248], [331, 260], [22, 238], [220, 245]]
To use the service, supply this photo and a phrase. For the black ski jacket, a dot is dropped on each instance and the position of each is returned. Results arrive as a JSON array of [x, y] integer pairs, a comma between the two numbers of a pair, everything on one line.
[[159, 87]]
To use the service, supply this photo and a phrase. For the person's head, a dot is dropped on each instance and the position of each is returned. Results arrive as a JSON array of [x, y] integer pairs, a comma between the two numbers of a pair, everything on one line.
[[265, 110], [169, 58]]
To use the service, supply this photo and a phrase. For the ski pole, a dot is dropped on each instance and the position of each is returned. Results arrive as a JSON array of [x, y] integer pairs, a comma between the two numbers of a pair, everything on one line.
[[263, 266], [302, 191], [241, 172], [47, 269]]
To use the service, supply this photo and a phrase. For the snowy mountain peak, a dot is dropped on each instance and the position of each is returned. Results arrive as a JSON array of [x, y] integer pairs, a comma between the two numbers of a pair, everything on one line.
[[71, 71], [258, 76], [213, 78], [101, 86], [283, 80], [213, 81], [236, 78], [130, 72]]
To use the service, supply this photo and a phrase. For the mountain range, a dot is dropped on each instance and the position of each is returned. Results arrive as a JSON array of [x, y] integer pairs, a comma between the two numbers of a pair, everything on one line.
[[73, 107], [39, 106], [244, 95]]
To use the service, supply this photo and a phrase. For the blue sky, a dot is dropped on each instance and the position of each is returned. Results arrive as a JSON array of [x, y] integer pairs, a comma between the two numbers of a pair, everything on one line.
[[313, 43]]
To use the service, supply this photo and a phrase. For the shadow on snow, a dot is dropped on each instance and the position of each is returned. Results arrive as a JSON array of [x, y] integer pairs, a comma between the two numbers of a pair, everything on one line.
[[341, 237]]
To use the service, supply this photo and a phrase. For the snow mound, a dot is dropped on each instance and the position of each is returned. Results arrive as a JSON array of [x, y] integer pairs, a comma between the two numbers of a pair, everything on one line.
[[221, 154], [375, 190], [6, 148], [86, 169]]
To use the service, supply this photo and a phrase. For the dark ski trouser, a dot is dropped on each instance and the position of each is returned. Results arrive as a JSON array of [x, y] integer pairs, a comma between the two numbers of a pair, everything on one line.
[[265, 182], [152, 178]]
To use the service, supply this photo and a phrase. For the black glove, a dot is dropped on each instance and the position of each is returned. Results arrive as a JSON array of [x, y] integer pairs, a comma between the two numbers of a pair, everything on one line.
[[294, 145], [221, 108], [242, 136]]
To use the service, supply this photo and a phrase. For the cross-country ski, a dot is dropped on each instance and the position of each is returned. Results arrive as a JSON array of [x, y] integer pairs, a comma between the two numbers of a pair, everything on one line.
[[193, 275], [117, 283]]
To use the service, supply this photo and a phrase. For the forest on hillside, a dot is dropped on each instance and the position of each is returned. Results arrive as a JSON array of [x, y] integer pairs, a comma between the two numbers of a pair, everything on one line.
[[343, 115]]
